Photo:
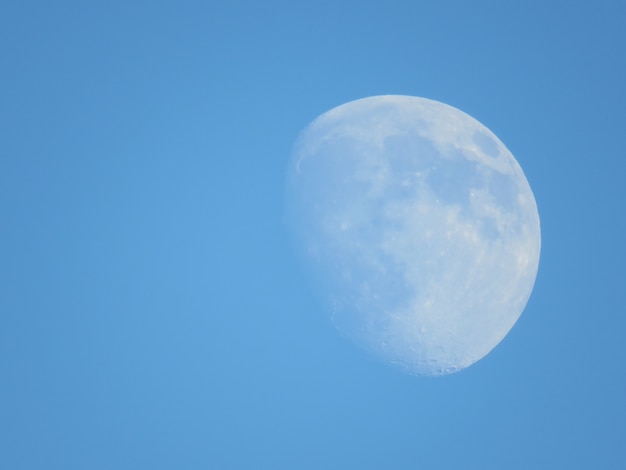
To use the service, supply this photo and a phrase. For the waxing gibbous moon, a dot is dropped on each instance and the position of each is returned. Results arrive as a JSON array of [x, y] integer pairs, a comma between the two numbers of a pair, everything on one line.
[[418, 227]]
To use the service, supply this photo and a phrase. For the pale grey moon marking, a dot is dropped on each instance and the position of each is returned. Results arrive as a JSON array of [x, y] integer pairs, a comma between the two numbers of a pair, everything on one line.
[[419, 228]]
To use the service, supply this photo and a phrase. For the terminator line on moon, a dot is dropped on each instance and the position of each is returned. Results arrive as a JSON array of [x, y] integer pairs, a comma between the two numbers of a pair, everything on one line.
[[418, 228]]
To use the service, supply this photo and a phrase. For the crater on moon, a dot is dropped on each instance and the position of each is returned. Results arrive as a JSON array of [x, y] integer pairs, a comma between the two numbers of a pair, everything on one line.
[[418, 227]]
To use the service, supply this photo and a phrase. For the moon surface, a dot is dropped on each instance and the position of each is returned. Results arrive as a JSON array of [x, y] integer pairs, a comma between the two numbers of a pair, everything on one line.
[[418, 228]]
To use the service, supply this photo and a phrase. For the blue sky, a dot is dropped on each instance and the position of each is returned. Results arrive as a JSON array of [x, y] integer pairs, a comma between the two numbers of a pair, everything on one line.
[[152, 314]]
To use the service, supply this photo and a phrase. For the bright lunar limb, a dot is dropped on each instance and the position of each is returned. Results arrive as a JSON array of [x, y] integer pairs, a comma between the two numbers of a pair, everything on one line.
[[419, 228]]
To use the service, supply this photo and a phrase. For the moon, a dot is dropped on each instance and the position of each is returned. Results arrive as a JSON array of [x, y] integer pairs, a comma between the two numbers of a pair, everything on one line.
[[418, 228]]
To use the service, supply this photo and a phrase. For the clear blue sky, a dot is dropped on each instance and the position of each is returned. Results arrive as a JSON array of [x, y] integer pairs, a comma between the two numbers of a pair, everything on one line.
[[152, 314]]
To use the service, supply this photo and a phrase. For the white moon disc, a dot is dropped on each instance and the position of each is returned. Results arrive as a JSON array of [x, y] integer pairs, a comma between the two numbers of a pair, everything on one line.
[[419, 228]]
